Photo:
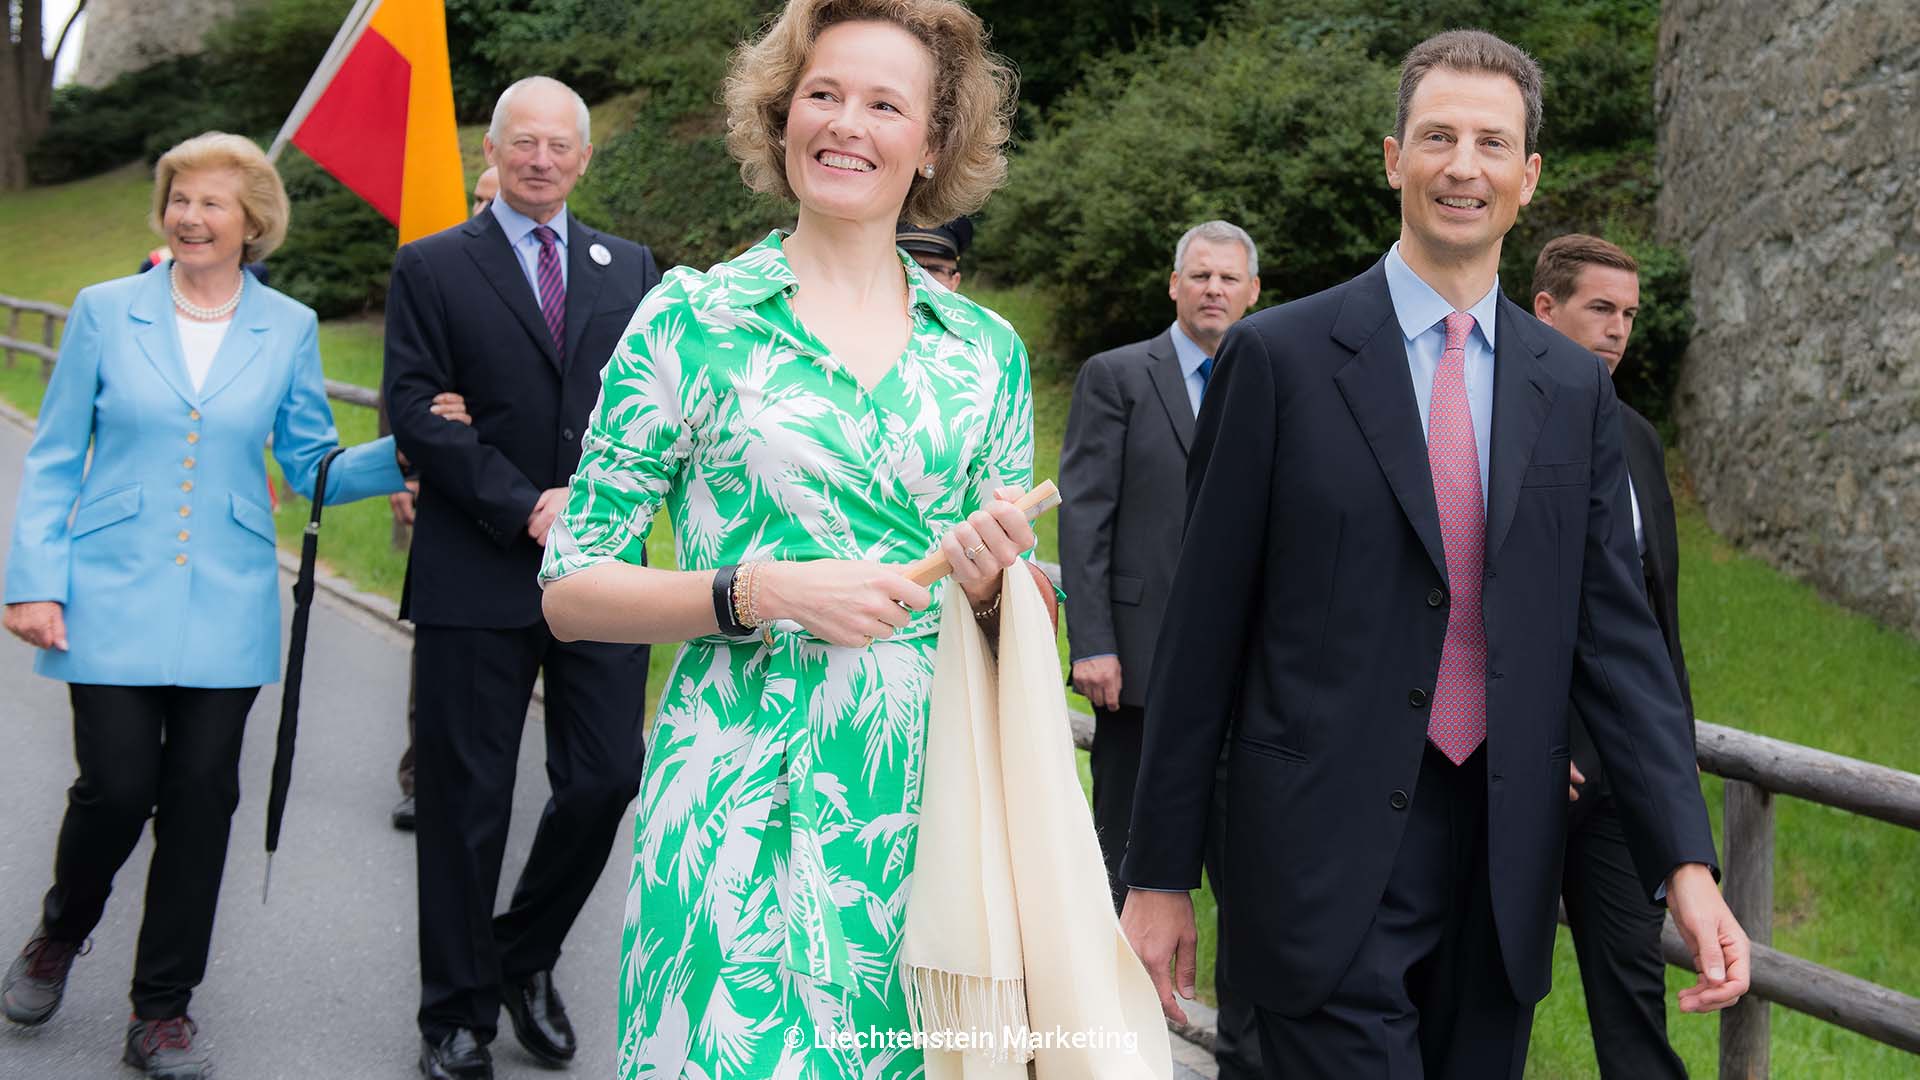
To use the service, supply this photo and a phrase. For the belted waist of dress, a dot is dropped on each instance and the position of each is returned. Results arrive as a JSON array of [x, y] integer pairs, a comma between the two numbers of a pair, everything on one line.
[[816, 941]]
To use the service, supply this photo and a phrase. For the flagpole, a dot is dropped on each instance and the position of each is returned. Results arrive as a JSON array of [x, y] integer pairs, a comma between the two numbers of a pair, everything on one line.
[[336, 55]]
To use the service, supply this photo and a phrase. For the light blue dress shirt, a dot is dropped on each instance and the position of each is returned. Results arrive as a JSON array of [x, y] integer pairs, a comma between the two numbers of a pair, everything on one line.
[[1191, 356], [1422, 313], [519, 229]]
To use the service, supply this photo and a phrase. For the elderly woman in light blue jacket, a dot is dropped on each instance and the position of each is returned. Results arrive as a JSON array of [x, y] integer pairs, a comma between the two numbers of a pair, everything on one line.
[[146, 575]]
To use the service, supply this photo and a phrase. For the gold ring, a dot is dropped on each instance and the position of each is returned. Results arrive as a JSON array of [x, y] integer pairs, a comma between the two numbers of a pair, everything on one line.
[[868, 644], [974, 550]]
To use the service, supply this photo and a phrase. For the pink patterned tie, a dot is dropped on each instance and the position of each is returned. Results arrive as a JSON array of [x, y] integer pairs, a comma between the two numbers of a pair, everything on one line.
[[553, 289], [1458, 723]]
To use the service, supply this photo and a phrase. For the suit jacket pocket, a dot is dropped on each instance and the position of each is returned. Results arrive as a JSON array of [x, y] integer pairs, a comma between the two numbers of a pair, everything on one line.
[[1128, 590], [106, 508], [1558, 474], [253, 517], [1272, 750]]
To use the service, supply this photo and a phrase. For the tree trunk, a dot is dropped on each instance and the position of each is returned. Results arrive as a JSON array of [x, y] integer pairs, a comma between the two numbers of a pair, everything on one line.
[[26, 88]]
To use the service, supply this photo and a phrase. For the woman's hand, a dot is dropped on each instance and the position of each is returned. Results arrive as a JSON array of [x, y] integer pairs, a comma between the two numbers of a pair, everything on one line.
[[451, 406], [840, 601], [989, 541], [40, 623]]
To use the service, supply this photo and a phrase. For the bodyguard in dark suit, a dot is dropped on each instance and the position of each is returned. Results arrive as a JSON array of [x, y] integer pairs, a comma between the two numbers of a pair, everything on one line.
[[1123, 474], [518, 309], [1409, 544], [1589, 290]]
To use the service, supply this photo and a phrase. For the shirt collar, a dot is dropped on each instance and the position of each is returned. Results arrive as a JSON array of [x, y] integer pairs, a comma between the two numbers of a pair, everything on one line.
[[1190, 355], [762, 270], [1419, 307], [518, 225]]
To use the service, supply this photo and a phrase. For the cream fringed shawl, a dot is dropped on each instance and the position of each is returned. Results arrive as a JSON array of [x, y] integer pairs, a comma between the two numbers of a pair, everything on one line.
[[1011, 947]]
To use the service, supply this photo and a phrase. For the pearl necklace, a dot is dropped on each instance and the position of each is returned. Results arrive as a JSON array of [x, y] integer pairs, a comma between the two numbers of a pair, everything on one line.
[[194, 311]]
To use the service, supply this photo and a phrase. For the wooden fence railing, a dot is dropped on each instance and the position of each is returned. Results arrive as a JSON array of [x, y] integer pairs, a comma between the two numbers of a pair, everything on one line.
[[1756, 768], [52, 318]]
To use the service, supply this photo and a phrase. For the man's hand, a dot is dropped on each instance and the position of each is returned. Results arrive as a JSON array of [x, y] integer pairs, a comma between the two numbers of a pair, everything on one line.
[[1159, 926], [1098, 679], [40, 623], [401, 503], [540, 522], [1574, 778], [1721, 953]]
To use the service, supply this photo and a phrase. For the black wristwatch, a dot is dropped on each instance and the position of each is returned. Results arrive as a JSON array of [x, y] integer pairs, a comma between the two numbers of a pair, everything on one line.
[[730, 623]]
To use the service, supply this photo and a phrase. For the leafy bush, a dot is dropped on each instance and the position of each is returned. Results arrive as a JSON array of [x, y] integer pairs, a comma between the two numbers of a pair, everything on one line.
[[1248, 126], [339, 251]]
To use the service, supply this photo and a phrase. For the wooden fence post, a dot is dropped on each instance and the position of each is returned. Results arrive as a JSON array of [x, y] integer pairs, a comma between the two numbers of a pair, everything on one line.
[[13, 331], [1745, 1029], [46, 338]]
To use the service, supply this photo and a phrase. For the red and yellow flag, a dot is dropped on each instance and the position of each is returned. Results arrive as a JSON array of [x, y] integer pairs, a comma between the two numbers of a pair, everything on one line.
[[378, 115]]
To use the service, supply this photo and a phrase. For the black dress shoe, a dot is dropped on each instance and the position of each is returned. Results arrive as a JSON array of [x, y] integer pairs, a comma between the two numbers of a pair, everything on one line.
[[403, 815], [459, 1056], [539, 1020]]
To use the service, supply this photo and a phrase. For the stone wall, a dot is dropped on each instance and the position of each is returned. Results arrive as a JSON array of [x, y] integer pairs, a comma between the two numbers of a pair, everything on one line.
[[127, 35], [1790, 173]]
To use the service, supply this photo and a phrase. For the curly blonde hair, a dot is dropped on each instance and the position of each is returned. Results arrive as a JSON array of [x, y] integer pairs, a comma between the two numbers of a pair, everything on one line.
[[973, 99], [262, 196]]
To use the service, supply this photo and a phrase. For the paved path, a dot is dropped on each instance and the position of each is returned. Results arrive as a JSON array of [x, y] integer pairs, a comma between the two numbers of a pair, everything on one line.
[[321, 981]]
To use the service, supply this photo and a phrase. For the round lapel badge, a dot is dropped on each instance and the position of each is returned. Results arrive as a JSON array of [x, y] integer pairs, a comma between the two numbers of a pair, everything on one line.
[[599, 253]]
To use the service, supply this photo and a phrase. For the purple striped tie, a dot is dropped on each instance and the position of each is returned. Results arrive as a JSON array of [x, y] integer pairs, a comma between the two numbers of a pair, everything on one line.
[[553, 290], [1458, 723]]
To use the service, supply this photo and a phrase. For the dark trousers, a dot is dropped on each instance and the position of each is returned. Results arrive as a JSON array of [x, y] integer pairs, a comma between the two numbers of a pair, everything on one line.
[[475, 686], [1426, 995], [173, 754], [1616, 933], [404, 773], [1114, 762]]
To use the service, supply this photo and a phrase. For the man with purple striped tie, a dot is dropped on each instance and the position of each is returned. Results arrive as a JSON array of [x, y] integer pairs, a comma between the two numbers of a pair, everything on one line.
[[1409, 542], [518, 308]]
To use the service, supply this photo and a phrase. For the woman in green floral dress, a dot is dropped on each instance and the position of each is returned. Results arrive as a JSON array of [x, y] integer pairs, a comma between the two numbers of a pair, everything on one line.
[[813, 414]]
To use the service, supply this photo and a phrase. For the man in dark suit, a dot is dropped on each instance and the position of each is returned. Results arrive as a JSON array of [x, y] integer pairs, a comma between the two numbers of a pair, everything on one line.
[[1123, 477], [1409, 544], [1589, 290], [518, 309]]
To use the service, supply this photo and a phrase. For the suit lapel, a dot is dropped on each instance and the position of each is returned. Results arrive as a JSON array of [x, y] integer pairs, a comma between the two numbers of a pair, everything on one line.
[[241, 343], [584, 278], [487, 246], [1649, 486], [1521, 401], [1379, 392], [1164, 367], [152, 315]]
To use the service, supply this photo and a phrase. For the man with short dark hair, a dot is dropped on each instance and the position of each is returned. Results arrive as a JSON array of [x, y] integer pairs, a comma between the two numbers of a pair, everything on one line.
[[1589, 290], [1123, 476], [1408, 546]]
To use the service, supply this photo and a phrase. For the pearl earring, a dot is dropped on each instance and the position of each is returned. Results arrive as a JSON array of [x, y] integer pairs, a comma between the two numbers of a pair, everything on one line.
[[926, 171]]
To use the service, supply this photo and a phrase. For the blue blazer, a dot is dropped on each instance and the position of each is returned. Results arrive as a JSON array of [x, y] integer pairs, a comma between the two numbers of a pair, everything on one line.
[[161, 547]]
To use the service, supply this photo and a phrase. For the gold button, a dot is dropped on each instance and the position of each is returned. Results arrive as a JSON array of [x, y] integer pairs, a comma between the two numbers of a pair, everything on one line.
[[183, 535], [188, 486], [193, 437], [186, 511], [194, 415], [179, 560], [187, 463]]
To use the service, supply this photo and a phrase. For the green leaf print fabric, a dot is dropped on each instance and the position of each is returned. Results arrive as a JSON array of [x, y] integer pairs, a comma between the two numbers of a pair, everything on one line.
[[779, 811]]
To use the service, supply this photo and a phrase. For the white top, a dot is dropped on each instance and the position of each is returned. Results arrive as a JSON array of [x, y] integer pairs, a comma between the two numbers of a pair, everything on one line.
[[199, 341]]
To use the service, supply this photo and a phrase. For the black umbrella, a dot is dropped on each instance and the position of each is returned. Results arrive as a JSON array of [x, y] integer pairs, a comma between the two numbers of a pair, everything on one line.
[[296, 661]]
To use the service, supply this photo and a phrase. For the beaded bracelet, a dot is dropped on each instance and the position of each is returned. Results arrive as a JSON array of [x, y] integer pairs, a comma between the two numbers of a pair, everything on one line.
[[988, 612], [746, 595]]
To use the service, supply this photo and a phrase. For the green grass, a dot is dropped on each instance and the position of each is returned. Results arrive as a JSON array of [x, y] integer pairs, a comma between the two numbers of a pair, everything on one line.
[[1767, 654]]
